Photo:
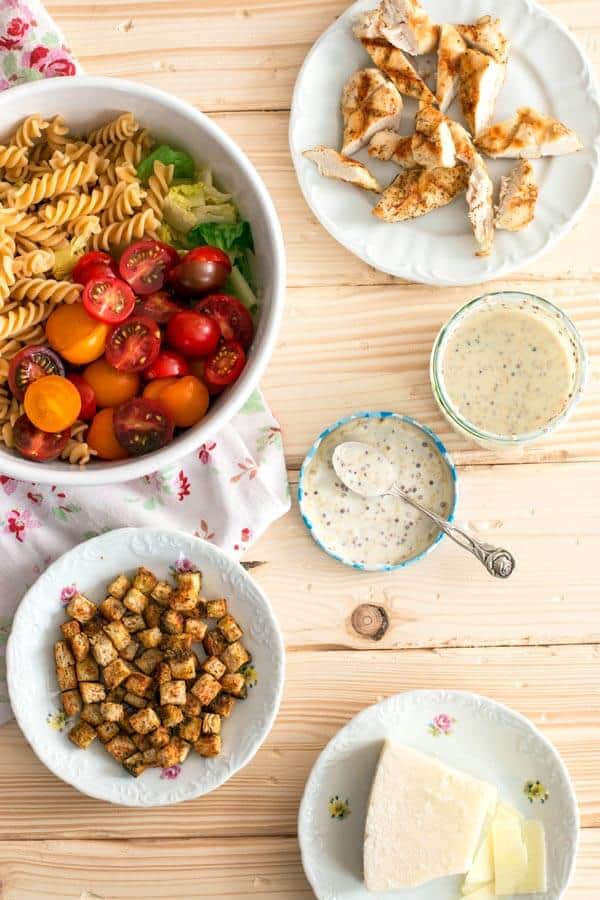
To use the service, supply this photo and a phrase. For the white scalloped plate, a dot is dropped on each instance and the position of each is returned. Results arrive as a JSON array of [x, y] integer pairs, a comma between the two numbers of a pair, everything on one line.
[[547, 70], [32, 681], [464, 730]]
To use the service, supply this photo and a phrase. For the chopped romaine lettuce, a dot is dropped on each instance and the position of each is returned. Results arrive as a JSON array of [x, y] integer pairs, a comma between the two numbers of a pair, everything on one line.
[[232, 238], [188, 205], [239, 287], [184, 164], [66, 258]]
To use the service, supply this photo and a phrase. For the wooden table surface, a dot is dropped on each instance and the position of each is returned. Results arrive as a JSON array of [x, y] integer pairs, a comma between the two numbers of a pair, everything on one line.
[[352, 339]]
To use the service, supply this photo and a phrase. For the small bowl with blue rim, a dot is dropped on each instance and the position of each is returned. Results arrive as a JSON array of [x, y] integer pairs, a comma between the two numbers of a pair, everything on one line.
[[361, 547]]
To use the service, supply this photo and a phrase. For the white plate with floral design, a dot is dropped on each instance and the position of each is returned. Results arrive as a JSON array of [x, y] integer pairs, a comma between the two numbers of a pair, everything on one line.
[[439, 248], [467, 731], [34, 695]]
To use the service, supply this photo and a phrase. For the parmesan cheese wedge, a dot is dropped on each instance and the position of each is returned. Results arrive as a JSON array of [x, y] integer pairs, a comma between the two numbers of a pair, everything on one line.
[[510, 854], [534, 881], [482, 870]]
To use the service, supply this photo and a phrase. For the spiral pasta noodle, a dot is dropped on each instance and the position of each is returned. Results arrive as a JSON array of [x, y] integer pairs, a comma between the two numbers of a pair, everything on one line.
[[76, 205], [141, 225], [57, 133], [22, 318], [10, 410], [12, 157], [159, 184], [58, 182], [7, 276], [46, 290], [85, 227], [126, 198], [77, 451], [32, 228], [24, 245], [36, 262], [120, 129], [29, 131]]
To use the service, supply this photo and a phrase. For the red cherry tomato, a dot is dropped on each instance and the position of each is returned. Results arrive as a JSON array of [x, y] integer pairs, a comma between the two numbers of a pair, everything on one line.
[[144, 265], [40, 446], [192, 333], [174, 257], [32, 363], [133, 345], [108, 299], [234, 319], [159, 306], [201, 270], [87, 394], [142, 426], [224, 366], [168, 364], [100, 270], [89, 262]]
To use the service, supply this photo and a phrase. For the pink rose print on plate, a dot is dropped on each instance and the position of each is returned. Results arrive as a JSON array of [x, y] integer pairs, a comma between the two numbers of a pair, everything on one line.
[[8, 485], [12, 39], [67, 594], [171, 773], [442, 724], [18, 522], [184, 564], [51, 63]]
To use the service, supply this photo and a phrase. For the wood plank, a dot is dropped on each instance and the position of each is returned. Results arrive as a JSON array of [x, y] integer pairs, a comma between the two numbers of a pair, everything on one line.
[[555, 687]]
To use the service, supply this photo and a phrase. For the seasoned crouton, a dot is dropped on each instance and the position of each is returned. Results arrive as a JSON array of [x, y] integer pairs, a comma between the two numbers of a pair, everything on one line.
[[216, 609], [112, 712], [70, 629], [172, 693], [150, 756], [92, 691], [190, 729], [172, 621], [129, 652], [125, 726], [214, 667], [211, 723], [149, 637], [183, 601], [177, 646], [87, 669], [197, 628], [116, 672], [222, 705], [235, 684], [190, 581], [208, 745], [112, 609], [132, 699], [171, 715], [81, 608], [161, 593], [183, 747], [229, 628], [183, 668], [141, 741], [144, 721], [116, 694], [82, 735], [66, 677], [135, 765], [145, 581], [148, 661], [135, 601], [103, 649], [107, 731], [139, 684], [192, 706], [92, 714], [169, 755], [118, 634], [133, 623], [214, 643], [163, 673], [152, 615], [119, 587], [206, 689], [235, 656], [121, 746], [80, 645], [62, 655], [71, 702]]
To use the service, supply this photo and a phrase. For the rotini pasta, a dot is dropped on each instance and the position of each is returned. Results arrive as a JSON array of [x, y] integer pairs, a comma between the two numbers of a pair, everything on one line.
[[12, 157], [44, 186], [85, 227], [32, 228], [120, 129], [7, 275], [159, 184], [29, 131], [22, 318], [57, 133], [76, 205], [125, 199], [36, 262], [77, 451], [46, 290], [142, 224]]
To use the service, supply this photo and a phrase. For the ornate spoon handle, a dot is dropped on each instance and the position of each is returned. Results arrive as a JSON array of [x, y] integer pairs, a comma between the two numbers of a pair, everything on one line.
[[498, 562]]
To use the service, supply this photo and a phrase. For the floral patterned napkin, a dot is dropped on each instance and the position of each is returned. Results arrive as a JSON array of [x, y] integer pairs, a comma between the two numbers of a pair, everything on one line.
[[228, 491]]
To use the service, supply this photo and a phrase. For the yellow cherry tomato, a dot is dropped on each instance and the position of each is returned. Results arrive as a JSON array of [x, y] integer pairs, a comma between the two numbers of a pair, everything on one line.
[[74, 334], [101, 436], [52, 403], [155, 388], [186, 401], [111, 386]]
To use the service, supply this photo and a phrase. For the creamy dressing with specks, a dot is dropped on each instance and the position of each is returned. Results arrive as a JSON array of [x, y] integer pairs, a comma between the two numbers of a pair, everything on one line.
[[508, 370], [378, 530]]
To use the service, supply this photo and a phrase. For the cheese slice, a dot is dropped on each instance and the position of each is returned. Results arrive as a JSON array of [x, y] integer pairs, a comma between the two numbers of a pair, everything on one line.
[[482, 870], [485, 892], [424, 820], [534, 881], [510, 854]]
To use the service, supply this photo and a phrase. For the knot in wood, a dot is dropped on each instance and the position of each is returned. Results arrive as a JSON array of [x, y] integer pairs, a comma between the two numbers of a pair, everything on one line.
[[370, 621]]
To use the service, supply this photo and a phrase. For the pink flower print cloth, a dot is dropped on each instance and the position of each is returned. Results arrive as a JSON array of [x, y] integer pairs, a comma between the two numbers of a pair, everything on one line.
[[228, 491]]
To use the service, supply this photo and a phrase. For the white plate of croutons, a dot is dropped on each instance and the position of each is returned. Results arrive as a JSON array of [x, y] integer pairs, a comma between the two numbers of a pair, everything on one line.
[[145, 667]]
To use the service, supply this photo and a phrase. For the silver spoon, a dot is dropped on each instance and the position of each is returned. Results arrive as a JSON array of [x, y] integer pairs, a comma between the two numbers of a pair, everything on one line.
[[367, 472]]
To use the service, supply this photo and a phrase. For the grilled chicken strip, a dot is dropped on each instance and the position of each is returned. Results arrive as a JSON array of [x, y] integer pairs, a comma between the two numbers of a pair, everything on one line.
[[481, 79], [528, 135], [451, 48], [433, 144], [487, 36], [406, 25], [395, 65], [368, 25], [518, 198], [332, 164], [417, 192], [480, 189], [390, 146], [369, 103]]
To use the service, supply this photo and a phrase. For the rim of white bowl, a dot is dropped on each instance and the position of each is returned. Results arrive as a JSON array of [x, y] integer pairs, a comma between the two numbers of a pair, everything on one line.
[[116, 472]]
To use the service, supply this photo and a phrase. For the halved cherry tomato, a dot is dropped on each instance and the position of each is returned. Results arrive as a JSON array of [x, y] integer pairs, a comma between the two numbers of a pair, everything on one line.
[[133, 345], [74, 334], [110, 386], [52, 403], [154, 389], [100, 270], [224, 366], [186, 400], [40, 446], [142, 426], [109, 299], [145, 264], [234, 319], [159, 306], [167, 364], [29, 364], [174, 257], [87, 394], [101, 437], [201, 270], [89, 261], [193, 334]]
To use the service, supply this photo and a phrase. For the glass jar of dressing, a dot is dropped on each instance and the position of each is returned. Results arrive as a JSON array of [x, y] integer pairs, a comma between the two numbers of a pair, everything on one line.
[[507, 369]]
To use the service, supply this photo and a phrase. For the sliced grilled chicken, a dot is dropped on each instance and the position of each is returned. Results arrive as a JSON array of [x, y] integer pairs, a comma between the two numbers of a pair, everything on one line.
[[395, 65], [487, 36], [390, 146], [480, 189], [406, 25], [332, 164], [433, 145], [518, 198], [416, 192], [529, 135], [369, 103], [368, 25], [451, 48], [481, 79]]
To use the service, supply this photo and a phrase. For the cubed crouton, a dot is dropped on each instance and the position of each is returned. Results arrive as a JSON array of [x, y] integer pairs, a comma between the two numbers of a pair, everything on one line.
[[161, 593], [103, 649], [172, 693], [183, 668], [92, 714], [121, 746], [197, 628], [129, 652], [211, 723], [235, 656], [133, 623], [172, 622], [183, 747], [235, 684], [131, 699], [70, 629], [206, 689], [81, 608], [145, 581], [112, 609], [82, 735], [92, 691], [107, 731], [152, 615], [183, 601], [214, 643], [94, 626], [190, 581], [229, 628], [171, 715], [208, 745], [163, 673], [118, 634], [216, 609], [87, 669], [119, 587], [190, 729], [192, 706], [135, 601], [222, 705], [144, 721], [214, 667], [149, 637], [126, 727], [149, 660], [160, 737], [66, 677], [141, 741], [116, 672], [62, 655], [169, 755], [177, 646], [116, 694], [135, 765], [80, 646], [139, 684], [150, 756], [71, 702], [112, 712]]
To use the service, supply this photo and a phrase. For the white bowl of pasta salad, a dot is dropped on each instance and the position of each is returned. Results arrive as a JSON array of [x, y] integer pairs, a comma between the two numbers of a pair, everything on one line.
[[142, 278]]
